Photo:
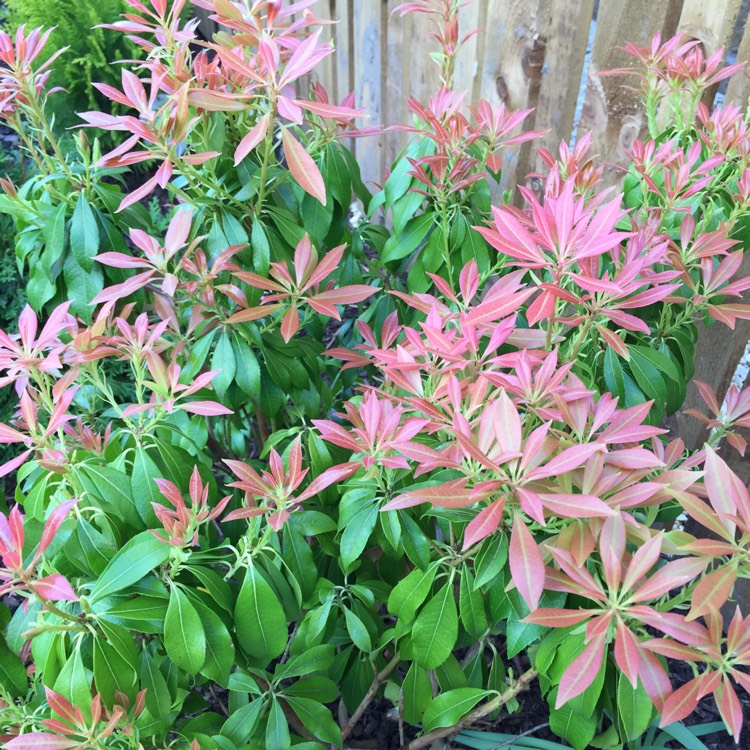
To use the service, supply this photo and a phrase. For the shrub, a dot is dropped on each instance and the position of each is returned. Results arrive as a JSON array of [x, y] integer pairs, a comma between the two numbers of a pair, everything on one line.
[[90, 48], [273, 464]]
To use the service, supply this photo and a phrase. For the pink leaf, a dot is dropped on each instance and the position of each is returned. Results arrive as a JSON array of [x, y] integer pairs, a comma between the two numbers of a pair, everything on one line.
[[252, 139], [56, 588], [53, 522], [484, 523], [125, 289], [304, 170], [582, 670], [290, 324], [526, 564], [205, 408], [40, 741]]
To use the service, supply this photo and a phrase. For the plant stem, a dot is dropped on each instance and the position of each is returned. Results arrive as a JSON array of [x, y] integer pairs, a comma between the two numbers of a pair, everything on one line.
[[478, 713], [371, 693]]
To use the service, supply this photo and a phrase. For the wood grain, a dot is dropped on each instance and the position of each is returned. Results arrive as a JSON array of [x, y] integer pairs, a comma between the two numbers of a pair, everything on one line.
[[368, 30], [612, 112]]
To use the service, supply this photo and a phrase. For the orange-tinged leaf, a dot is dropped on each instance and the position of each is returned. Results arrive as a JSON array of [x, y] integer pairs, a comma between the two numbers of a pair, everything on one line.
[[558, 618], [304, 170], [290, 324], [484, 523], [730, 708], [685, 699], [713, 590], [627, 653], [582, 671]]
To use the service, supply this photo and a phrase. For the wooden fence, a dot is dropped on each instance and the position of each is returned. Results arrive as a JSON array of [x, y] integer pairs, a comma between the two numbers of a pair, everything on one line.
[[537, 54], [533, 54]]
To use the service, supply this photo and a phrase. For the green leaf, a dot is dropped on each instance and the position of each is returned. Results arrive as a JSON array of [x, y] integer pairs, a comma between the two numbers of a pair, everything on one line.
[[321, 689], [81, 286], [197, 357], [13, 676], [337, 175], [417, 690], [54, 236], [259, 618], [242, 723], [143, 486], [277, 728], [112, 672], [215, 585], [613, 376], [146, 613], [224, 361], [648, 378], [401, 245], [158, 697], [471, 605], [473, 246], [409, 593], [577, 729], [136, 559], [73, 683], [261, 249], [247, 369], [357, 516], [491, 559], [184, 637], [436, 629], [634, 708], [84, 234], [219, 645], [97, 549], [357, 631], [449, 708], [315, 659], [113, 487], [316, 718]]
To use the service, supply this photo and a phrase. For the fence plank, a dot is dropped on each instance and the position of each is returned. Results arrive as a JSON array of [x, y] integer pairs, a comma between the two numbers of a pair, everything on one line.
[[510, 33], [400, 46], [564, 52], [368, 62], [467, 64], [611, 112], [738, 89], [710, 22]]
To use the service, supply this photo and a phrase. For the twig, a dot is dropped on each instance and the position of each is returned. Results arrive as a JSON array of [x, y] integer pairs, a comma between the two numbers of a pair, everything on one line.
[[518, 736], [478, 713], [371, 693], [218, 700]]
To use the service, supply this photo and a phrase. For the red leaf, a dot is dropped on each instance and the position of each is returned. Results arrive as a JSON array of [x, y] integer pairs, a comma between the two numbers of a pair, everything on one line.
[[484, 523], [683, 701], [253, 313], [290, 324], [526, 564], [302, 167]]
